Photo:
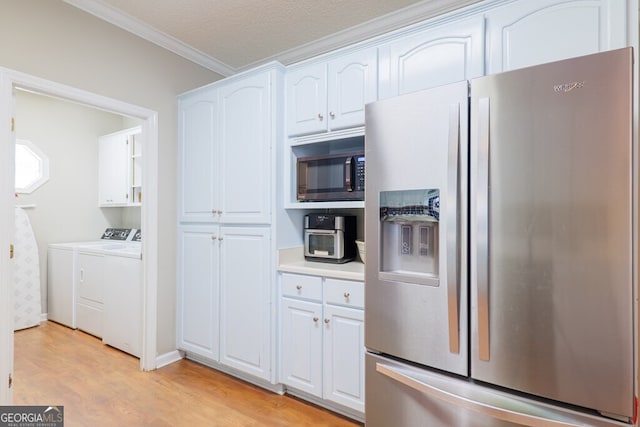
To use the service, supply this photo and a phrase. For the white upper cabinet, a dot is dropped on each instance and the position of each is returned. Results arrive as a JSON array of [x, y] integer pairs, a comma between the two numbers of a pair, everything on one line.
[[331, 95], [197, 126], [244, 163], [225, 147], [432, 57], [525, 32], [119, 168]]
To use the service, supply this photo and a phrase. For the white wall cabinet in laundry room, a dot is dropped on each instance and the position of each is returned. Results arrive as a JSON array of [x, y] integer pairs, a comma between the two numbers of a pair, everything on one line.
[[423, 58], [119, 168], [226, 134], [524, 33], [326, 96]]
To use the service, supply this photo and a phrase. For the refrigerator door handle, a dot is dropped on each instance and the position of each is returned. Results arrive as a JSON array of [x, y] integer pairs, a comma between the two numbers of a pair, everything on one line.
[[482, 230], [452, 228], [402, 376]]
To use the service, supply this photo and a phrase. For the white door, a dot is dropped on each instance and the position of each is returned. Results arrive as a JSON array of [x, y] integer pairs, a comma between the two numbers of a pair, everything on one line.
[[198, 165], [245, 150], [113, 170], [434, 57], [352, 83], [7, 191], [344, 356], [301, 345], [525, 32], [245, 291], [197, 305], [307, 100]]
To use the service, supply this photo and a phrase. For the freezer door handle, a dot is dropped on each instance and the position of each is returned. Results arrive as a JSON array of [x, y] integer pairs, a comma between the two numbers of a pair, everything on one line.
[[404, 376], [453, 290], [482, 230]]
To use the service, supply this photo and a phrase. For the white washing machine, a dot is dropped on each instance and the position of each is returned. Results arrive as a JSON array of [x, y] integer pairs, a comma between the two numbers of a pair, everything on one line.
[[63, 273]]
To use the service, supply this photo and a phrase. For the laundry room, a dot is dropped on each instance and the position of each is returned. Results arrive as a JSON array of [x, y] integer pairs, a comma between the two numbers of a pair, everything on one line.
[[58, 186]]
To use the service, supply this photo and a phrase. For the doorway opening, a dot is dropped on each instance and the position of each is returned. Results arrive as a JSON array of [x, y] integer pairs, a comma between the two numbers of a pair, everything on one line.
[[11, 82]]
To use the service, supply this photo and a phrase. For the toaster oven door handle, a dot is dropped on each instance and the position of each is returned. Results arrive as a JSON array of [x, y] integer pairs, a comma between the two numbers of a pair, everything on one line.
[[348, 173], [320, 231]]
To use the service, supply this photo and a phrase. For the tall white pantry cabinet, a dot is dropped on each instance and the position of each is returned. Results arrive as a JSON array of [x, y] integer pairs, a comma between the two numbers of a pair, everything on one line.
[[227, 142]]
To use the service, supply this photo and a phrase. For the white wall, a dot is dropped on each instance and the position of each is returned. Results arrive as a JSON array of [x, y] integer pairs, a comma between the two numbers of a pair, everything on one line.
[[55, 41], [66, 206]]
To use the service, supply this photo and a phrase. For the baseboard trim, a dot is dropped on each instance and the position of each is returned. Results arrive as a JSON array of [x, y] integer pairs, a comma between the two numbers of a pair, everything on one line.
[[168, 358]]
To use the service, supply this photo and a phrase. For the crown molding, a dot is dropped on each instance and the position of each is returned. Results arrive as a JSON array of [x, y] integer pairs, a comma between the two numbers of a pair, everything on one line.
[[141, 29], [409, 15], [376, 27]]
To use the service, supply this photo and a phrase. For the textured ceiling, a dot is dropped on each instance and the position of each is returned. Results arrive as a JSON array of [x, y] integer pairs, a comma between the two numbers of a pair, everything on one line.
[[243, 33]]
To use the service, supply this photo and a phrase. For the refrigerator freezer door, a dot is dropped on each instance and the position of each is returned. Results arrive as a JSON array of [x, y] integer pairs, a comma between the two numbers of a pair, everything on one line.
[[402, 395], [551, 231], [416, 192]]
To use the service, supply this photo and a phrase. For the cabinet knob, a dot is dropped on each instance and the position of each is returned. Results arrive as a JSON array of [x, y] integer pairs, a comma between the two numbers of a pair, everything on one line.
[[320, 116], [347, 294], [332, 114], [298, 287], [220, 238], [214, 237], [315, 320], [326, 321]]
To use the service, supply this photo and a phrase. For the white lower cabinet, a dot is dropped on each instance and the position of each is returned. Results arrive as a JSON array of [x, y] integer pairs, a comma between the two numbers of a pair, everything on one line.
[[224, 296], [322, 338]]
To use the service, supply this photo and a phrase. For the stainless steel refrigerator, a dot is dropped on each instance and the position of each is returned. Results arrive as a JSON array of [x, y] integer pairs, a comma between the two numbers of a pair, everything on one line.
[[501, 240]]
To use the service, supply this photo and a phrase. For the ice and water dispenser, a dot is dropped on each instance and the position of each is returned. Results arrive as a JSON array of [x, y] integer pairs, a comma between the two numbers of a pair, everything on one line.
[[409, 238]]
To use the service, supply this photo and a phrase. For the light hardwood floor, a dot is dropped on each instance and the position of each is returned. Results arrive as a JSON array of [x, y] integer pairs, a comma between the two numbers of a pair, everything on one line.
[[101, 386]]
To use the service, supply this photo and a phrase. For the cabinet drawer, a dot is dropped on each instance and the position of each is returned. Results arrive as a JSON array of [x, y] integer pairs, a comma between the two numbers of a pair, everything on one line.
[[299, 286], [344, 292]]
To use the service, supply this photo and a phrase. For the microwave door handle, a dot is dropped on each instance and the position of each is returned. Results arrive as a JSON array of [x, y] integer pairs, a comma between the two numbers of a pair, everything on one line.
[[348, 168]]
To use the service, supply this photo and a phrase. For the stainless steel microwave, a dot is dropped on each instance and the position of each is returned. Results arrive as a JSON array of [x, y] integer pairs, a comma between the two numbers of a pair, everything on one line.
[[331, 177]]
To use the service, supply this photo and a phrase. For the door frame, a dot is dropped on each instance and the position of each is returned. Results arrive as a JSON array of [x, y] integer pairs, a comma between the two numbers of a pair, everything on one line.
[[9, 81]]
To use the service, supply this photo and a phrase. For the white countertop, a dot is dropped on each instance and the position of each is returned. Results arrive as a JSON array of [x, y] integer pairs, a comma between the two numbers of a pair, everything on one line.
[[291, 260]]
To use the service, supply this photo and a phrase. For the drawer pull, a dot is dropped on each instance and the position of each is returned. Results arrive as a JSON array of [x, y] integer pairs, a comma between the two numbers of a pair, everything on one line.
[[347, 294], [298, 287], [315, 320]]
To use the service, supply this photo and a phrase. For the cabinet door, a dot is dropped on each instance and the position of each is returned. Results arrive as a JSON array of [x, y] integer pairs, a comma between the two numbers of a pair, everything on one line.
[[353, 82], [344, 356], [525, 33], [245, 300], [90, 298], [113, 170], [433, 57], [301, 345], [245, 150], [198, 291], [123, 304], [307, 99], [197, 159]]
